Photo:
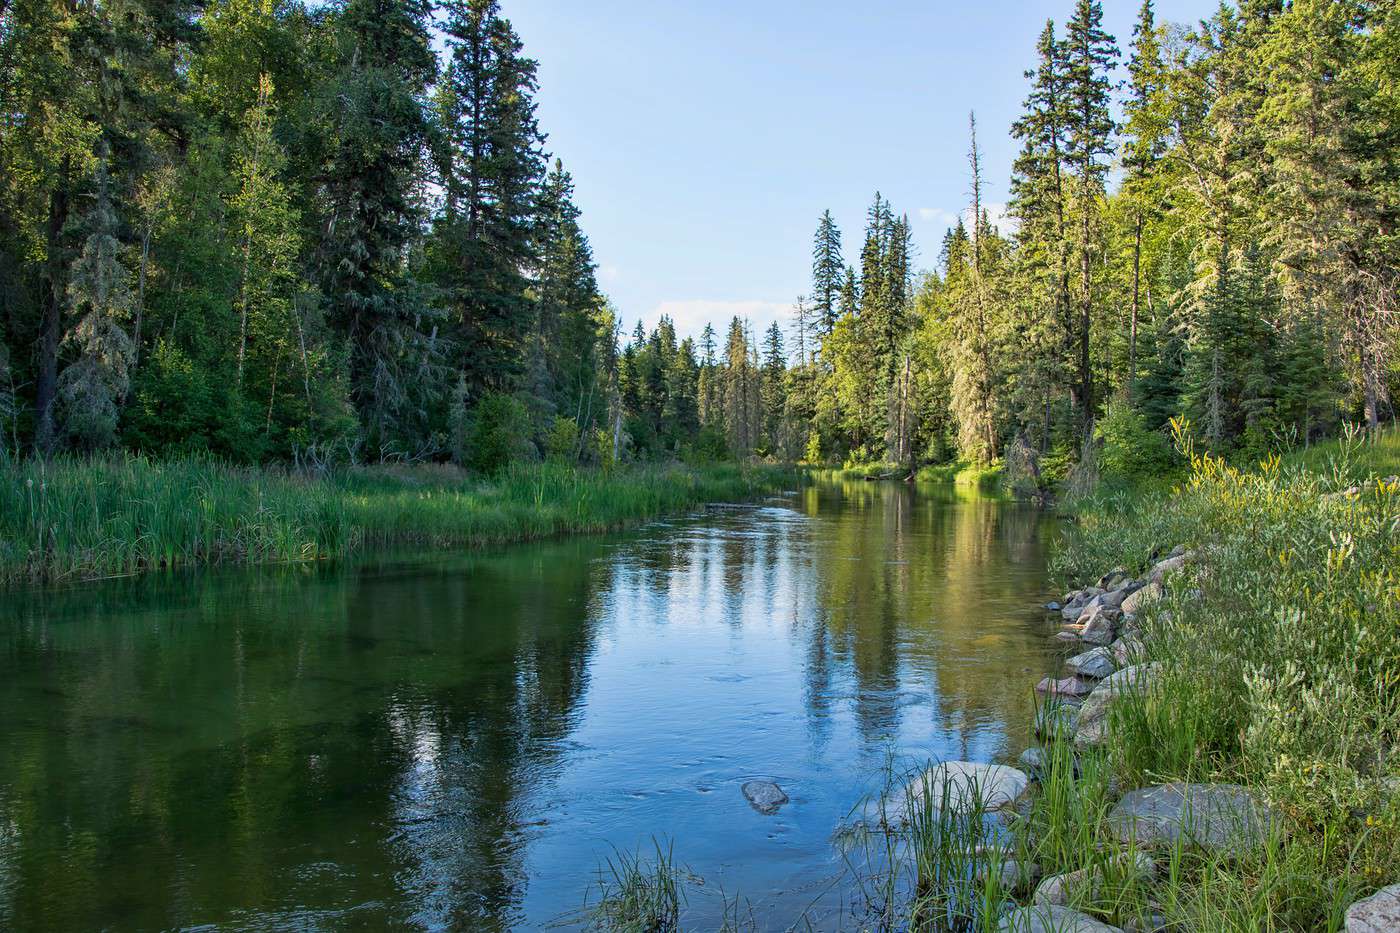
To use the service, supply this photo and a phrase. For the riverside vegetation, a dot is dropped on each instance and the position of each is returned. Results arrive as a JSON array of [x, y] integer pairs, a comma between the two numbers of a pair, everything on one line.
[[64, 519], [1235, 764]]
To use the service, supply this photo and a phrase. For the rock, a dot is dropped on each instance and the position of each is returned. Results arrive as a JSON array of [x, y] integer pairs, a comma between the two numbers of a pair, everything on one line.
[[1098, 628], [1215, 817], [1051, 919], [1084, 885], [1068, 686], [1058, 890], [1066, 636], [1056, 722], [1162, 569], [1091, 728], [1379, 913], [1126, 650], [1148, 594], [764, 796], [1109, 580], [1113, 599], [961, 784], [1015, 876], [1152, 922], [1097, 663], [1053, 606], [1032, 761]]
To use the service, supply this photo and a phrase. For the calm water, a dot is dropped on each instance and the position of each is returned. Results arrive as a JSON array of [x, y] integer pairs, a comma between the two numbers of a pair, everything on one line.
[[460, 741]]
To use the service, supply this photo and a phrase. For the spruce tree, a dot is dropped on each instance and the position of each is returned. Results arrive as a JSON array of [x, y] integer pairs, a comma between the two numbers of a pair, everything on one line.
[[827, 269], [1090, 56]]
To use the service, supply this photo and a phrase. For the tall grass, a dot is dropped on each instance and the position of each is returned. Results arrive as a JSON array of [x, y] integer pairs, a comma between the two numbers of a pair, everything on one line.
[[70, 518], [1280, 658]]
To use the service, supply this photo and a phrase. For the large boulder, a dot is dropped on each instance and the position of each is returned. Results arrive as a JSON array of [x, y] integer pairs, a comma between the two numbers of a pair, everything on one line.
[[1041, 918], [959, 784], [1097, 663], [1224, 818], [1091, 728], [1379, 913]]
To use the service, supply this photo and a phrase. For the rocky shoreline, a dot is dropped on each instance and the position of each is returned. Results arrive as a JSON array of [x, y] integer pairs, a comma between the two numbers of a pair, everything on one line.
[[1145, 824]]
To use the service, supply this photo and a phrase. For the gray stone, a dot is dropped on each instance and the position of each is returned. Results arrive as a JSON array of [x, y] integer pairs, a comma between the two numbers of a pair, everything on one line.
[[1126, 650], [1066, 636], [1059, 890], [1085, 884], [961, 784], [1032, 761], [1111, 579], [1091, 729], [1097, 663], [1113, 599], [1053, 606], [1051, 919], [1066, 687], [1164, 568], [1224, 818], [1149, 593], [764, 796], [1056, 722], [1379, 913], [1098, 628], [1015, 876]]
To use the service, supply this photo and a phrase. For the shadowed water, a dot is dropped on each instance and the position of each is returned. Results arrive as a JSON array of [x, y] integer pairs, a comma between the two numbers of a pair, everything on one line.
[[459, 741]]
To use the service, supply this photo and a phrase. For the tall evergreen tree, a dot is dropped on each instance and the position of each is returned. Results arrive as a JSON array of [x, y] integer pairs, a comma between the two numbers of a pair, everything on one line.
[[827, 269]]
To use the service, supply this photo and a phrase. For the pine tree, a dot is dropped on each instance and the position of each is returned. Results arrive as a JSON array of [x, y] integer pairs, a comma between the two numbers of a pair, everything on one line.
[[827, 269], [379, 126], [93, 386], [1090, 56], [491, 167]]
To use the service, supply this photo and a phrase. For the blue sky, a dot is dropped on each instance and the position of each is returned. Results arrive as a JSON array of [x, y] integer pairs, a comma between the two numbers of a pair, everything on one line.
[[706, 138]]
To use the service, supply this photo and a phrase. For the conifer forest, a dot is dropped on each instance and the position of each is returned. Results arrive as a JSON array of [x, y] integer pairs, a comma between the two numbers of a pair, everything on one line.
[[284, 232]]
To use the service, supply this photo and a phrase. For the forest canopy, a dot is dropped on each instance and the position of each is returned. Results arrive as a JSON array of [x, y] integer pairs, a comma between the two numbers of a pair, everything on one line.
[[272, 230]]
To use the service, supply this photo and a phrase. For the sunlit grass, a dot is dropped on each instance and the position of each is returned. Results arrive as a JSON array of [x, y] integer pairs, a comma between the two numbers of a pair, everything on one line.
[[69, 518]]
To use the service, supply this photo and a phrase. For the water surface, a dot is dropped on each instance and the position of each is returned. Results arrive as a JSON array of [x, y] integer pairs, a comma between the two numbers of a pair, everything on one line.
[[461, 740]]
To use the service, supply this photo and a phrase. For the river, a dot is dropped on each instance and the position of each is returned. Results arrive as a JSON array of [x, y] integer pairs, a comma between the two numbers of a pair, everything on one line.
[[462, 741]]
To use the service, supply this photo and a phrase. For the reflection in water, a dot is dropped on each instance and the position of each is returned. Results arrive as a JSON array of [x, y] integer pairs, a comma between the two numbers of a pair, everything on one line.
[[459, 741]]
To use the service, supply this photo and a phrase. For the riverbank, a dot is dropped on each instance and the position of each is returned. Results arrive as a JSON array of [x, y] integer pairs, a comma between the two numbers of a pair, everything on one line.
[[1235, 763], [67, 519]]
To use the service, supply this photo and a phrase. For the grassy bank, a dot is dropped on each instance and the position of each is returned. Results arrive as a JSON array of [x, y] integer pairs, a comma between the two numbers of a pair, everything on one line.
[[1280, 670], [65, 519]]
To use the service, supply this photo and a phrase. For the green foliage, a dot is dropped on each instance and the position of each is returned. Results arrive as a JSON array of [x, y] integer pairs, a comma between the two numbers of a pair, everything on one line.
[[561, 443], [1279, 669], [68, 518], [498, 435], [1131, 451]]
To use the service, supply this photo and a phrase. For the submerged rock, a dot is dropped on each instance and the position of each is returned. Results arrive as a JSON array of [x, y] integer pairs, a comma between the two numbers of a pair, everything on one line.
[[961, 785], [1215, 817], [1097, 663], [1043, 918], [1379, 913], [764, 796], [1091, 727]]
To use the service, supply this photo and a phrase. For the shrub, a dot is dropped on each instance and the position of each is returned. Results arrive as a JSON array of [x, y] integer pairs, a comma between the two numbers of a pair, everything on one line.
[[498, 434], [561, 440], [1131, 450]]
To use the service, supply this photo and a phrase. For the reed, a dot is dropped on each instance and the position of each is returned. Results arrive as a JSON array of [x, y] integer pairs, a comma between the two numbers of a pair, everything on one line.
[[67, 518]]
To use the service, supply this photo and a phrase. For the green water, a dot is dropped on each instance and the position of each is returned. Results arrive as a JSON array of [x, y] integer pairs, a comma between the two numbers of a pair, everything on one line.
[[460, 741]]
